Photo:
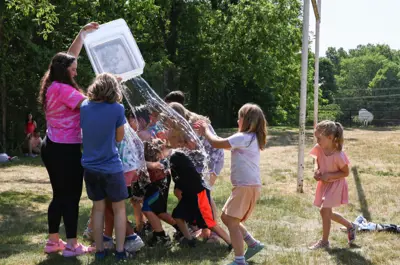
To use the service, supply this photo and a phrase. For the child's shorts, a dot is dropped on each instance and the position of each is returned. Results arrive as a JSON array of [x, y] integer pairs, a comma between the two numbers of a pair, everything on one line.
[[156, 196], [196, 209], [101, 185], [242, 202]]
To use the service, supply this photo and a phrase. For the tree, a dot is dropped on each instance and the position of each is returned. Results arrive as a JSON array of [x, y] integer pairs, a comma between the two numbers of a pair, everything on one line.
[[20, 15]]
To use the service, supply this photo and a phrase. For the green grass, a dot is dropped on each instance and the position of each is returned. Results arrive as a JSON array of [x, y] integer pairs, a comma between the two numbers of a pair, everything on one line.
[[284, 220]]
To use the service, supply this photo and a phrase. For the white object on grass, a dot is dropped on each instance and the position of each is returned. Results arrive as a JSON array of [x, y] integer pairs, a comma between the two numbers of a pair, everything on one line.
[[365, 117]]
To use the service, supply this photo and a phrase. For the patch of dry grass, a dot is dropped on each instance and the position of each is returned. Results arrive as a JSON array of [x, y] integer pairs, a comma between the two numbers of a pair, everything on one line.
[[285, 220]]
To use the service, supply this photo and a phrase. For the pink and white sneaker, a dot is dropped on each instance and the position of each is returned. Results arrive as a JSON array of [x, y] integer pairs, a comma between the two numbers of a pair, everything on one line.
[[79, 250], [52, 246]]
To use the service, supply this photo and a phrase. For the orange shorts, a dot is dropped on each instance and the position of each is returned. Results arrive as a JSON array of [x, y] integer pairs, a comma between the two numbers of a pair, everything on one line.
[[242, 202]]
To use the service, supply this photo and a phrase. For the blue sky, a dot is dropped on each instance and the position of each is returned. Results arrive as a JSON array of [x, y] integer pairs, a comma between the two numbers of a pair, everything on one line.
[[347, 23]]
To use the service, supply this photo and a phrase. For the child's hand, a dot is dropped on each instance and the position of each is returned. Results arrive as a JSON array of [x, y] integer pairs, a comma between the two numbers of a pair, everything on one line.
[[158, 165], [155, 165], [201, 127], [317, 175], [92, 26]]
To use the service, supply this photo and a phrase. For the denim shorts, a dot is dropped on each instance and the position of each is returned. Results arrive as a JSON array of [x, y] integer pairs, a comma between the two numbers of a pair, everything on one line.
[[102, 185]]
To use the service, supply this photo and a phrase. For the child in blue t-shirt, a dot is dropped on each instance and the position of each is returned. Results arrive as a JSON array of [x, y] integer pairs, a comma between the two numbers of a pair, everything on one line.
[[102, 123]]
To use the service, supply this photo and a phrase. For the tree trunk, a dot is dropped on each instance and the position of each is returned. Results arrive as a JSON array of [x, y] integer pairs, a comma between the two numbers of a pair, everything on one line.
[[196, 92], [4, 113], [172, 41], [3, 91]]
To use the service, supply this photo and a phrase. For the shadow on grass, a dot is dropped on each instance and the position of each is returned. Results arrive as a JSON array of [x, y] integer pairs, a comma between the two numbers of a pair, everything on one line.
[[24, 161], [361, 194], [20, 218], [26, 181], [347, 256]]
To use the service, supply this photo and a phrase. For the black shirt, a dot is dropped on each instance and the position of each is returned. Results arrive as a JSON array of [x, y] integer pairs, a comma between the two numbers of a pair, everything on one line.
[[185, 175]]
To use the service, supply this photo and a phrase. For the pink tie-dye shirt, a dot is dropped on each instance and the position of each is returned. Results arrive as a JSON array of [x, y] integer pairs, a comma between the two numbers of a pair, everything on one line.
[[62, 114]]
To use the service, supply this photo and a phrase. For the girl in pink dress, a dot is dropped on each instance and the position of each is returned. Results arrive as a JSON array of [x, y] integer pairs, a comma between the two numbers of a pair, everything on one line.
[[331, 170]]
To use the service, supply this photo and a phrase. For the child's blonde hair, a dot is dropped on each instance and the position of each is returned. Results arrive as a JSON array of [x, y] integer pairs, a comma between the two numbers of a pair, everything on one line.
[[105, 88], [331, 128], [254, 121]]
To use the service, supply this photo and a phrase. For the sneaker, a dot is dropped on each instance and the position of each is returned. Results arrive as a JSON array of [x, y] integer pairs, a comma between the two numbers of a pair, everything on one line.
[[99, 256], [178, 236], [133, 243], [79, 250], [119, 256], [195, 231], [214, 238], [351, 233], [88, 234], [33, 155], [141, 233], [147, 227], [319, 244], [188, 242], [52, 246], [163, 241], [250, 252]]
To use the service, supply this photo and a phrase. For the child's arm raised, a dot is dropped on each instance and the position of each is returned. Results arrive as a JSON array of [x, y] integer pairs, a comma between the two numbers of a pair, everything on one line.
[[333, 176], [77, 44], [215, 141]]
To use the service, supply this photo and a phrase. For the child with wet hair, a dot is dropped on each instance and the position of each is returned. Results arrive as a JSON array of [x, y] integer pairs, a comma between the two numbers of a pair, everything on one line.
[[156, 195]]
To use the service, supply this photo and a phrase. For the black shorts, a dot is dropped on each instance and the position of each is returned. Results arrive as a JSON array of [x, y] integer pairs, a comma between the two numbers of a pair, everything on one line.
[[156, 196], [196, 209], [102, 185]]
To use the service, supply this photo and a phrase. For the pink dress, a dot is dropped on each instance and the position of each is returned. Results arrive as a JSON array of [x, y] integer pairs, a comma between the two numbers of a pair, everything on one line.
[[330, 194]]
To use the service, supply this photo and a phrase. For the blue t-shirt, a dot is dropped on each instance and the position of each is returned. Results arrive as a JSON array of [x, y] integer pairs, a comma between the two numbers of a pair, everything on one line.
[[99, 121]]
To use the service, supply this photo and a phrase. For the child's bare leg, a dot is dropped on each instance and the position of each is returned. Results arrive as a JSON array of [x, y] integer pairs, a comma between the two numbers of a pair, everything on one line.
[[137, 212], [214, 208], [222, 234], [98, 223], [166, 217], [326, 214], [108, 219], [154, 221], [183, 227], [235, 233], [341, 220], [119, 224], [178, 194]]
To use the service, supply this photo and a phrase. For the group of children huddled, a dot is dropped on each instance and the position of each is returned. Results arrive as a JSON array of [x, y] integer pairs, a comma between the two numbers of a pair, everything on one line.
[[137, 158]]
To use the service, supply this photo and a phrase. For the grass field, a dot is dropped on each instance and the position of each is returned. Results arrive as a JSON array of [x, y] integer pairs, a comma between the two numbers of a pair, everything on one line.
[[283, 219]]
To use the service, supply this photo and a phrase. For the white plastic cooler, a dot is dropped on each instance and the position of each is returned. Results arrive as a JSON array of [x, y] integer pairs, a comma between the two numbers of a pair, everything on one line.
[[113, 49]]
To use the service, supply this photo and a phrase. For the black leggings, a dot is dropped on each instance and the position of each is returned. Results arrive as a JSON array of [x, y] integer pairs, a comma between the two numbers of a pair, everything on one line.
[[63, 164]]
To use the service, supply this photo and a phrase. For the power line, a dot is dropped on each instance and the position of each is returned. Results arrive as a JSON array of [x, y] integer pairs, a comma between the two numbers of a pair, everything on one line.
[[370, 89], [368, 97]]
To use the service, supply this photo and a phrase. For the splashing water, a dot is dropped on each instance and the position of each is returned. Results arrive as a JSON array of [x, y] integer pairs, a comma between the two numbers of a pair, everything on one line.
[[137, 91]]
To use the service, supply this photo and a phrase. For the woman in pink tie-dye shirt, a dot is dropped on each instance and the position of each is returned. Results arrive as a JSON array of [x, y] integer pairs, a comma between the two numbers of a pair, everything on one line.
[[61, 150]]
